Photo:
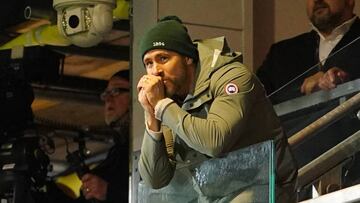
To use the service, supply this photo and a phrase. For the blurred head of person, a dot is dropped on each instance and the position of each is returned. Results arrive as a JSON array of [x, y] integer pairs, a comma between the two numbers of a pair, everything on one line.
[[116, 97]]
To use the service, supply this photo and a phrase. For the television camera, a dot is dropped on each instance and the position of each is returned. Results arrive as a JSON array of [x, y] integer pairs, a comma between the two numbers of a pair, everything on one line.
[[24, 164]]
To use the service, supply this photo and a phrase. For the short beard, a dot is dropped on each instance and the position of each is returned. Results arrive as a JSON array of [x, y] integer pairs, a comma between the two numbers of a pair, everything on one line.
[[326, 23], [174, 96]]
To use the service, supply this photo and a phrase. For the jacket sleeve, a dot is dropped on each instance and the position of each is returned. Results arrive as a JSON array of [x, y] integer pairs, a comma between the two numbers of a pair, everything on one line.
[[155, 165], [226, 118]]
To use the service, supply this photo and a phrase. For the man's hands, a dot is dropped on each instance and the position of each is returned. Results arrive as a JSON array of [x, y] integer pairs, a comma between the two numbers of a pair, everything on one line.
[[94, 187], [324, 81], [333, 77], [150, 91], [311, 84]]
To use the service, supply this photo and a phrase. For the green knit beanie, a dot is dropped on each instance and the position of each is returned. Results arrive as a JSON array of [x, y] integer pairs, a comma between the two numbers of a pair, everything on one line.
[[169, 34]]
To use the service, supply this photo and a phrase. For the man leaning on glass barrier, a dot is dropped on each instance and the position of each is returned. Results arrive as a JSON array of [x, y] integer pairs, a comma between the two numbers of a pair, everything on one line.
[[200, 97]]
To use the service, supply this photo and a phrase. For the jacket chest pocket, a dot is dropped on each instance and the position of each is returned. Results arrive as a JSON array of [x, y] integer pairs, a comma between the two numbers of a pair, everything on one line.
[[199, 106]]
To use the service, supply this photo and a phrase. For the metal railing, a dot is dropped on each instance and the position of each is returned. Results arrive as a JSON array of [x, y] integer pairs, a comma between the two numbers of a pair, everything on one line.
[[350, 194], [329, 159], [326, 120]]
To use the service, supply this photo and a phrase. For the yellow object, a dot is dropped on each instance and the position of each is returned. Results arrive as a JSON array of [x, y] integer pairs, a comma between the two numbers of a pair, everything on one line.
[[42, 35], [121, 11], [49, 34], [70, 185]]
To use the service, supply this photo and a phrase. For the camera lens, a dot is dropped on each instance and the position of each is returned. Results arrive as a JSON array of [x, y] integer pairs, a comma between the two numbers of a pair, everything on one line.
[[74, 21]]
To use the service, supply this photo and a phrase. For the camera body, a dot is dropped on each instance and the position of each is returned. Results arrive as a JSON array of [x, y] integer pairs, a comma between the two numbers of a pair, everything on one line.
[[34, 64], [84, 22], [24, 164]]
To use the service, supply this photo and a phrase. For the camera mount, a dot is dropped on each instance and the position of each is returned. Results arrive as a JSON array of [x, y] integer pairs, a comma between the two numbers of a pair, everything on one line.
[[84, 22]]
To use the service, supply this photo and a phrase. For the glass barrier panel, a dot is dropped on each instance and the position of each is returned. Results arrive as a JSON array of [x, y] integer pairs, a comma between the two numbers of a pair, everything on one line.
[[239, 174]]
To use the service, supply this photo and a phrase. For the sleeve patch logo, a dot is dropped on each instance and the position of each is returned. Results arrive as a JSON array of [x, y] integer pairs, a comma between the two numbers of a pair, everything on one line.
[[231, 88]]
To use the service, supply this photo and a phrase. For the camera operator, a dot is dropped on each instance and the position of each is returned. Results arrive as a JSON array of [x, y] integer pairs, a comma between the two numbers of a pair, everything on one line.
[[108, 181]]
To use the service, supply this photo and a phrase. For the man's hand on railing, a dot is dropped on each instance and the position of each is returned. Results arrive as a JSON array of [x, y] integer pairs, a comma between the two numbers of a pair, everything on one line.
[[324, 81]]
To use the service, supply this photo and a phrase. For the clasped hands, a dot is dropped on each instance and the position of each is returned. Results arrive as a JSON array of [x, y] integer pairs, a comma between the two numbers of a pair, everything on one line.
[[150, 91], [324, 81]]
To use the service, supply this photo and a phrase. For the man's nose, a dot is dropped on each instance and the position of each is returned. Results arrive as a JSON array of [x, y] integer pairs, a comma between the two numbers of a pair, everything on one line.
[[156, 70]]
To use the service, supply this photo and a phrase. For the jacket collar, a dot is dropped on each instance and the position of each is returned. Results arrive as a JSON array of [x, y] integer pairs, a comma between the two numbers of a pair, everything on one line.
[[213, 54]]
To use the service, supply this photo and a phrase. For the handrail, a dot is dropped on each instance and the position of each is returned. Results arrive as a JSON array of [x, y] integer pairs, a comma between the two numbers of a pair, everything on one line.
[[350, 194], [317, 98], [329, 159], [326, 120]]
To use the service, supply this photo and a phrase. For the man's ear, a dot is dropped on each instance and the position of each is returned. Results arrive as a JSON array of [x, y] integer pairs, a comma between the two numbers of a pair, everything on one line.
[[188, 60]]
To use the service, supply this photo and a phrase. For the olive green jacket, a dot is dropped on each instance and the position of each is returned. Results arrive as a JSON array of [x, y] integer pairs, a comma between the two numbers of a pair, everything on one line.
[[228, 110]]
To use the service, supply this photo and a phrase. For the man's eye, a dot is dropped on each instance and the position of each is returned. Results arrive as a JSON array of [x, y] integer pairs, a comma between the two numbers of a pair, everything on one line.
[[163, 58], [148, 64]]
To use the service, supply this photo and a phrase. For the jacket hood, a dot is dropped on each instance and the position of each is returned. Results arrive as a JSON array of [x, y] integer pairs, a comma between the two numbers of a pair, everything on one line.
[[213, 54]]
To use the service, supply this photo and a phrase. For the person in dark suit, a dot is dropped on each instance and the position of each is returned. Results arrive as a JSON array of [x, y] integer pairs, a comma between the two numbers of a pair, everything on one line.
[[321, 59], [335, 26]]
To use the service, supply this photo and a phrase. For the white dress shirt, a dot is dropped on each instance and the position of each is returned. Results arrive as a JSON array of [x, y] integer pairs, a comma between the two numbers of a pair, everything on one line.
[[329, 42]]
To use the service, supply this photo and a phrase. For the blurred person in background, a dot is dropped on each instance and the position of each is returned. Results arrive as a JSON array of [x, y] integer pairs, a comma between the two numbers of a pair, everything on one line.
[[108, 181]]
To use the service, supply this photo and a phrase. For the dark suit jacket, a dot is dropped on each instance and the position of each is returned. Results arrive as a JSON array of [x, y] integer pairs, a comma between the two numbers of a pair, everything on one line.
[[289, 58]]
